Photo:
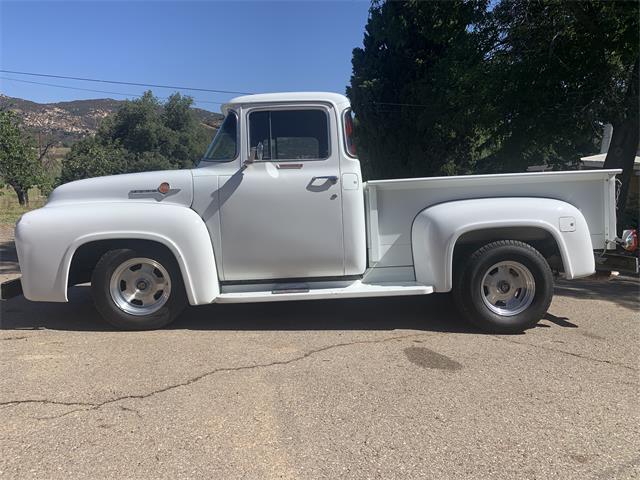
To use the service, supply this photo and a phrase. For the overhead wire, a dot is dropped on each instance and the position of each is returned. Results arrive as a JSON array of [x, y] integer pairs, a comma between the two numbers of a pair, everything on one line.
[[96, 91], [152, 85], [121, 82]]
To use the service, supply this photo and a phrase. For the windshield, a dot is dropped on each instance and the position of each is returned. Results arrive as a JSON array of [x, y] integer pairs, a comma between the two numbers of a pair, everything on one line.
[[224, 146]]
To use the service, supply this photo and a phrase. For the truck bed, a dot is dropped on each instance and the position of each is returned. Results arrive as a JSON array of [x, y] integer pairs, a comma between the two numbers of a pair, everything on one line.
[[391, 205]]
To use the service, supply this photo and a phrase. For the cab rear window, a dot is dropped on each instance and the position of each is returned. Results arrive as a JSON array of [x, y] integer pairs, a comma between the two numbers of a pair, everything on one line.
[[349, 140]]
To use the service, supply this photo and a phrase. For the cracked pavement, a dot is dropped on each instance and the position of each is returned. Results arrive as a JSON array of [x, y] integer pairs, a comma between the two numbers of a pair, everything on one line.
[[366, 388]]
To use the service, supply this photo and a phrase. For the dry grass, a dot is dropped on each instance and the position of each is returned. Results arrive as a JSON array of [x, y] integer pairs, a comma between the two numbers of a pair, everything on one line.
[[11, 210]]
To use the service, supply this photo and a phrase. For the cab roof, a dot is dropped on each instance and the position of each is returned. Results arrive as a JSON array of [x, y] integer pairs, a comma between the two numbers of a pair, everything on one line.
[[333, 98]]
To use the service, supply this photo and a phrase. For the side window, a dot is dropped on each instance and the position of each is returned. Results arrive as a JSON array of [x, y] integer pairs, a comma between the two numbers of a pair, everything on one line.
[[289, 134], [259, 127]]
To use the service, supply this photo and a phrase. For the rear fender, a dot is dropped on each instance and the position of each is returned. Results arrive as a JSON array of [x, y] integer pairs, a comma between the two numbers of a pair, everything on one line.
[[436, 230]]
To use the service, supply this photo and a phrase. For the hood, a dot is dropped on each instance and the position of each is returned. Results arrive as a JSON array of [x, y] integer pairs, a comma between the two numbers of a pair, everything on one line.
[[132, 187]]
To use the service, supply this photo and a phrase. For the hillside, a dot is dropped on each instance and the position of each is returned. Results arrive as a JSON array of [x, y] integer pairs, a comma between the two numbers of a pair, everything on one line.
[[67, 122]]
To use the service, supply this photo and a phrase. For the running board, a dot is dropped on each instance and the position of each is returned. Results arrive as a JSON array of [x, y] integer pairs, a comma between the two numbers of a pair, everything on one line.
[[355, 290]]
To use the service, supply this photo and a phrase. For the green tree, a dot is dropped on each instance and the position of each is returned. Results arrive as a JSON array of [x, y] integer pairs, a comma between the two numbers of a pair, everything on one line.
[[137, 125], [185, 140], [456, 87], [557, 71], [20, 166], [143, 135], [413, 88], [93, 158]]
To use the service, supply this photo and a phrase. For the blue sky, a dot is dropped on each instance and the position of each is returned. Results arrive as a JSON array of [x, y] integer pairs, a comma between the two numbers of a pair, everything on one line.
[[242, 46]]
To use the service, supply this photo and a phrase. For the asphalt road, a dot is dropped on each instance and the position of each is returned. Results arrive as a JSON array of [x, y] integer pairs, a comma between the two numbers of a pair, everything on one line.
[[379, 388]]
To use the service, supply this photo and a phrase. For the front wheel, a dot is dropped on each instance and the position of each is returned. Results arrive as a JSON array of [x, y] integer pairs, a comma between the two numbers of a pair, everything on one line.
[[138, 291], [504, 287]]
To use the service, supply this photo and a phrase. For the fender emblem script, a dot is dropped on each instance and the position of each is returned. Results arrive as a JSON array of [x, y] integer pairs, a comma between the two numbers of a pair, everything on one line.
[[159, 194]]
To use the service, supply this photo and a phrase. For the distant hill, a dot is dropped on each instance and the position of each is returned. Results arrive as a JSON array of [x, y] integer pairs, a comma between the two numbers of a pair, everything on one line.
[[67, 122]]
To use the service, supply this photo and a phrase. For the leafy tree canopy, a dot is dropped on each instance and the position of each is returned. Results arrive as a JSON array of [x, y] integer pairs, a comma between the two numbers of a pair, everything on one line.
[[557, 71], [93, 158], [468, 86], [143, 135], [413, 88], [20, 167]]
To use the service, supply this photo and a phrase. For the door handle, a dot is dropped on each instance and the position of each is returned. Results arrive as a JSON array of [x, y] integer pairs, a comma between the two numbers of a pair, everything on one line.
[[331, 178], [285, 166]]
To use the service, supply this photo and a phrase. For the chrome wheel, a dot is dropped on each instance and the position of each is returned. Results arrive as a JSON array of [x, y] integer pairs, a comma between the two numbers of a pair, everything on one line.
[[508, 288], [140, 286]]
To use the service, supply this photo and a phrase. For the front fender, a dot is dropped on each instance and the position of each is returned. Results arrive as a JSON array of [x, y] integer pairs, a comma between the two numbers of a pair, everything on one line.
[[47, 238], [436, 230]]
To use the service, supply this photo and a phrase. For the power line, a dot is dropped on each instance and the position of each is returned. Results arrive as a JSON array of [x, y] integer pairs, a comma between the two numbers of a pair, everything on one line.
[[195, 89], [97, 91]]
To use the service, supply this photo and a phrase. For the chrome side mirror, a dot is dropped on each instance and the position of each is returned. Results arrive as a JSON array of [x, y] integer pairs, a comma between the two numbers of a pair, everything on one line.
[[255, 154], [259, 151]]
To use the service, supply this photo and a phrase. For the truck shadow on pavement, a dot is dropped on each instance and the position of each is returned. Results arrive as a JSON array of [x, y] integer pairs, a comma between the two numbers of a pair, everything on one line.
[[8, 258], [435, 313], [428, 313], [623, 290]]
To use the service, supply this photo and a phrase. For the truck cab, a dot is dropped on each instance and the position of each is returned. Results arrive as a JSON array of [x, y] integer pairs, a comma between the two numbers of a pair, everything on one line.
[[277, 210], [280, 189]]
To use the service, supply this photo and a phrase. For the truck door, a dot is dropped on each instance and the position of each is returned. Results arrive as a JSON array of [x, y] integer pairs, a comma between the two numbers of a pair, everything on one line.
[[282, 216]]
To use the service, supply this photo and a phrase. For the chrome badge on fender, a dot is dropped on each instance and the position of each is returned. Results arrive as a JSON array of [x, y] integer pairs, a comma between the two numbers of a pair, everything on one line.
[[163, 191]]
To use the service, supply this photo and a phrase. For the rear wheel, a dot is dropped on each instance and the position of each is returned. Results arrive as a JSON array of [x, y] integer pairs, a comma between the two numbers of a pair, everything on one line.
[[504, 287], [138, 291]]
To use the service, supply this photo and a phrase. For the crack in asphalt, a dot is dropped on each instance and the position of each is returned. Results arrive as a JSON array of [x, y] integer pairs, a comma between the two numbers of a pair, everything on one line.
[[565, 352], [50, 402], [89, 406], [129, 409], [94, 406]]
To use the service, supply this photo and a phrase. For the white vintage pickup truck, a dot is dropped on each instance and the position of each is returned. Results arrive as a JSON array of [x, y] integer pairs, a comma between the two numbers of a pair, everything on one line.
[[277, 210]]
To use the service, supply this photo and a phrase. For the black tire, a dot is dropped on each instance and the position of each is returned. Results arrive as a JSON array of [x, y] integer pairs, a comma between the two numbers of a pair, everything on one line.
[[469, 289], [114, 314]]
